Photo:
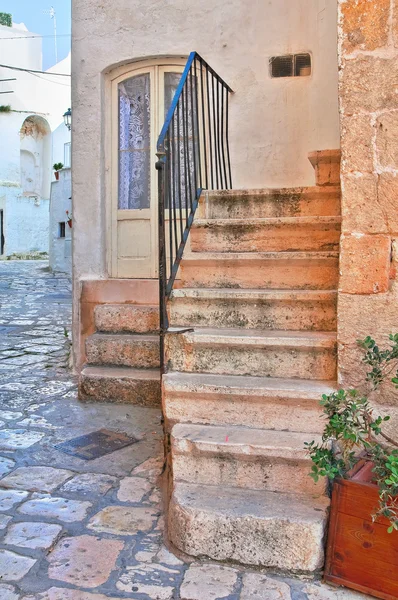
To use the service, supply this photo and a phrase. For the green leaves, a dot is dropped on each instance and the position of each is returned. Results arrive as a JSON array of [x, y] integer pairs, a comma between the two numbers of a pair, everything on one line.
[[351, 431]]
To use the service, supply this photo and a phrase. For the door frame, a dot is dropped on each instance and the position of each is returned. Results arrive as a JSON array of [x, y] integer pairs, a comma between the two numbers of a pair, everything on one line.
[[111, 154]]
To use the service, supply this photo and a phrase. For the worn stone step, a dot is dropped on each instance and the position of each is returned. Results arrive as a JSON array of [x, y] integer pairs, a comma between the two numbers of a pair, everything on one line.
[[133, 318], [262, 203], [254, 309], [264, 402], [256, 459], [122, 349], [265, 235], [268, 529], [263, 270], [123, 385], [305, 355]]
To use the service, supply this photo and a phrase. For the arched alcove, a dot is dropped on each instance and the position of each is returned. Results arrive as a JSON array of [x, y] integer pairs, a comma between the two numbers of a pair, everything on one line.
[[35, 156]]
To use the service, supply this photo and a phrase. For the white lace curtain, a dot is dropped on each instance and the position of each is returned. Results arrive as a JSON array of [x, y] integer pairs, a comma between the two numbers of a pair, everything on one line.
[[134, 143]]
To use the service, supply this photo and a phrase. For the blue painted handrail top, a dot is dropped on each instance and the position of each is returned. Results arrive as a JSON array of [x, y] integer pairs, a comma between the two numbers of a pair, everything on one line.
[[173, 106]]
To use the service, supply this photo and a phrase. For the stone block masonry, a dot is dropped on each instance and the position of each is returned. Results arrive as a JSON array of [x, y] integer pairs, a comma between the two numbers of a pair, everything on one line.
[[368, 82]]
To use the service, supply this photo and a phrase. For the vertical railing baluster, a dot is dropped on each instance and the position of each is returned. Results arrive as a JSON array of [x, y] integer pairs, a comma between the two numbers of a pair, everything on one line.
[[199, 150], [209, 122], [168, 199], [214, 129], [227, 140], [222, 138], [195, 181], [163, 323], [179, 168], [186, 162], [203, 124], [174, 190]]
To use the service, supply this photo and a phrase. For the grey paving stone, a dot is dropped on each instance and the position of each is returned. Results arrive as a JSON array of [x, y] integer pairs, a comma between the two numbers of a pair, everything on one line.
[[257, 586], [85, 560], [6, 465], [209, 581], [62, 509], [36, 479], [9, 498], [133, 489], [14, 566], [18, 439], [123, 520], [8, 592], [90, 483], [156, 581], [32, 535]]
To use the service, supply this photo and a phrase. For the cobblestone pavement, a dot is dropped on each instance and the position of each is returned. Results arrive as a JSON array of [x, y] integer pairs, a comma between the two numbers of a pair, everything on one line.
[[75, 529]]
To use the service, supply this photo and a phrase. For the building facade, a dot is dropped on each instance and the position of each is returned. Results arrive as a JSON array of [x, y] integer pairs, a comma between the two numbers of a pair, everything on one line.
[[30, 112], [280, 276]]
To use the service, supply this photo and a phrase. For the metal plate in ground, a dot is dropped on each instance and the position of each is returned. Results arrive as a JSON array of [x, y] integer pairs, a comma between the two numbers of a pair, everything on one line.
[[96, 444]]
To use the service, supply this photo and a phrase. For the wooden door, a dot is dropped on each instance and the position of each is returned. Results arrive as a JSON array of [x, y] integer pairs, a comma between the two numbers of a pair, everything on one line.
[[140, 101]]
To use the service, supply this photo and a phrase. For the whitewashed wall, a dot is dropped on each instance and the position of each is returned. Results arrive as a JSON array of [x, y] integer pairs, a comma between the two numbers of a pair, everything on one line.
[[26, 220], [60, 248]]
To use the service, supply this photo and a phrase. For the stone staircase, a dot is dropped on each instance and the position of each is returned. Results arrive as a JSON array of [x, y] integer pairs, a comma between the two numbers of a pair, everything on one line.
[[241, 395], [123, 356]]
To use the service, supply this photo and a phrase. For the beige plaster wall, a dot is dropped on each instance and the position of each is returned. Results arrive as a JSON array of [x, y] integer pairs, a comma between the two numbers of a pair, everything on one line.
[[274, 123], [368, 298]]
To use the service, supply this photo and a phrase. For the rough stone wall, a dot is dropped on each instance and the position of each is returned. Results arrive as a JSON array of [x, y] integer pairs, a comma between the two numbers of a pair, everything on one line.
[[368, 94]]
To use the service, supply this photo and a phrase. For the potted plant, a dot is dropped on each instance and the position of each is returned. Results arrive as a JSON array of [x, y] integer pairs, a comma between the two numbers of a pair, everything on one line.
[[57, 167], [362, 462], [69, 218]]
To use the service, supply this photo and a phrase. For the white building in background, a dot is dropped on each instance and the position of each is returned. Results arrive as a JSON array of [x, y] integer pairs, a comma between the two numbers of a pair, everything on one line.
[[27, 132]]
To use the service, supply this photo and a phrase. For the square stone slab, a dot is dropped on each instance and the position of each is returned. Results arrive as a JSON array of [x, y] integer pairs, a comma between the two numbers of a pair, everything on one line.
[[4, 520], [257, 586], [14, 566], [18, 439], [133, 489], [156, 581], [57, 593], [123, 520], [32, 535], [8, 592], [96, 444], [208, 581], [85, 560], [63, 509], [90, 483], [36, 479], [6, 465], [9, 498]]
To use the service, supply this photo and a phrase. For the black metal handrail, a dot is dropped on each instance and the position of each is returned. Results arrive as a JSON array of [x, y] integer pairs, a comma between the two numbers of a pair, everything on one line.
[[193, 155]]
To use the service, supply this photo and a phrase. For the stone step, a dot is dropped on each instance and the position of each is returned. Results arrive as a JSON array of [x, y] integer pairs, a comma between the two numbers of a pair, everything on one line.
[[254, 309], [265, 402], [255, 459], [123, 385], [305, 355], [263, 203], [275, 530], [134, 318], [278, 234], [122, 349], [263, 270]]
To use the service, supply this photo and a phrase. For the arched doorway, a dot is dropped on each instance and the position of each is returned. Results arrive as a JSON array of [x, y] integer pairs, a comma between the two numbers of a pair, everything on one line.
[[35, 157]]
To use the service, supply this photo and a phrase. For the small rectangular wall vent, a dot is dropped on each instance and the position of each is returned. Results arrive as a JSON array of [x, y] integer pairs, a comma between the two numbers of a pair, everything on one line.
[[61, 229], [290, 65]]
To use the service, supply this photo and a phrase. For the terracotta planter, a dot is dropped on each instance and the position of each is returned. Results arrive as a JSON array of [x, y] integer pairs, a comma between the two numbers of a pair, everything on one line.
[[56, 173], [70, 223], [361, 554]]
